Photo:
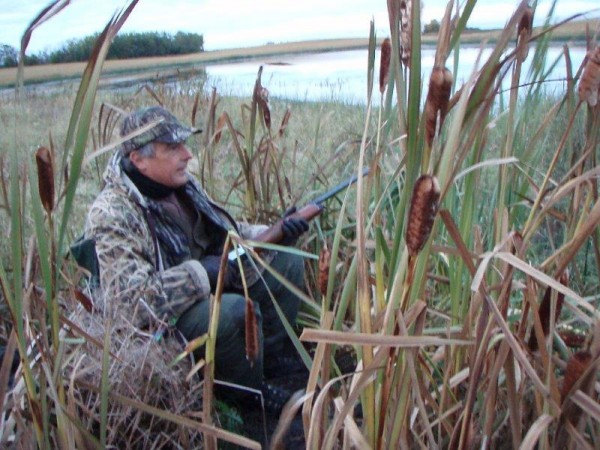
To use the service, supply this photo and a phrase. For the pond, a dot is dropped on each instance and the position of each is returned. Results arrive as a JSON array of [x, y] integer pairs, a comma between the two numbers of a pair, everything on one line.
[[341, 76]]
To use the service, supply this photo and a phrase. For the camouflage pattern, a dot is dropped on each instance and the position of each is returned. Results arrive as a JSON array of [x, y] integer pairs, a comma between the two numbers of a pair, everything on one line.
[[137, 281], [162, 126]]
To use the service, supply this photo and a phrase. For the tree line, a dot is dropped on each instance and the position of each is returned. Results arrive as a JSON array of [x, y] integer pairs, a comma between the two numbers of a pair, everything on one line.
[[124, 46]]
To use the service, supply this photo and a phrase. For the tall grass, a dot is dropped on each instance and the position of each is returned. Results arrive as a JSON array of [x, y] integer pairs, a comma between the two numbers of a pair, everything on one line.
[[462, 272]]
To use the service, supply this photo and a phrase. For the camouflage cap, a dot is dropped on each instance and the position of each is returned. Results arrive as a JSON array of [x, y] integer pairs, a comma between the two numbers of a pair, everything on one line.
[[153, 124]]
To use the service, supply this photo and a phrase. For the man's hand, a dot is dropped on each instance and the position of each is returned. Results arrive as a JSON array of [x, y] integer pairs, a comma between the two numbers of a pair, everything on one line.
[[231, 277], [292, 228]]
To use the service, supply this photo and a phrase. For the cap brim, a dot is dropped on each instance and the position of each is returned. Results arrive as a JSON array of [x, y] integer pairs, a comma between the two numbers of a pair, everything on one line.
[[180, 134]]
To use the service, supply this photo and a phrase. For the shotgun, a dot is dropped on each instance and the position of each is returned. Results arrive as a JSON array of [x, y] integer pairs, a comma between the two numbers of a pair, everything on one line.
[[274, 233]]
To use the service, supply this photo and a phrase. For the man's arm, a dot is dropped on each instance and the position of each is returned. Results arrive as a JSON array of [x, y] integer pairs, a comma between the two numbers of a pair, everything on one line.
[[128, 278]]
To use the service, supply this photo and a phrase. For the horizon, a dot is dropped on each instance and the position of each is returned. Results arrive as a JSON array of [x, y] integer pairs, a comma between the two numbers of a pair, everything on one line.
[[243, 25]]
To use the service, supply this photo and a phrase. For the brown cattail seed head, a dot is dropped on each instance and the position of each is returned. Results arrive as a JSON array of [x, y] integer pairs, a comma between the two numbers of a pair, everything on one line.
[[220, 125], [324, 260], [438, 96], [260, 96], [384, 64], [422, 212], [405, 31], [285, 121], [576, 366], [589, 84], [45, 167], [524, 30], [251, 333]]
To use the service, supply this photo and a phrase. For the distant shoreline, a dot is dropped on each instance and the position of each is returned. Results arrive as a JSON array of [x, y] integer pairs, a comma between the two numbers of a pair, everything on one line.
[[573, 32]]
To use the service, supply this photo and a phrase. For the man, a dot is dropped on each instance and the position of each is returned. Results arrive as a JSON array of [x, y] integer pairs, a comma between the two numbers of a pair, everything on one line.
[[159, 241]]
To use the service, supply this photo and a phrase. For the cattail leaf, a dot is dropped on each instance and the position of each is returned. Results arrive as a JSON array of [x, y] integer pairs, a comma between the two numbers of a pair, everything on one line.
[[545, 311], [422, 212], [85, 301], [195, 108], [45, 168], [251, 333], [589, 84], [384, 64]]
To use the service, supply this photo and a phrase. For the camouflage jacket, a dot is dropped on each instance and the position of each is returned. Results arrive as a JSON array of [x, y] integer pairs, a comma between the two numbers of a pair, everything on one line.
[[145, 270]]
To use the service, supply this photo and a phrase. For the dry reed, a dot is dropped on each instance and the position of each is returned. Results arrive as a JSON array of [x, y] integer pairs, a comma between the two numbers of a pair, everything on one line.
[[545, 312], [251, 333]]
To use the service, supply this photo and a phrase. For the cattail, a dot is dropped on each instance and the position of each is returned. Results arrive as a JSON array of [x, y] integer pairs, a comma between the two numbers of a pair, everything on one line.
[[251, 333], [440, 86], [576, 366], [405, 31], [384, 64], [524, 30], [284, 121], [589, 84], [544, 312], [261, 97], [422, 212], [45, 167], [220, 125], [324, 260]]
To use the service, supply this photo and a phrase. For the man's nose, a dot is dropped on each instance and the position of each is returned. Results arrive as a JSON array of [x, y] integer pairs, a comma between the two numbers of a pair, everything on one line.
[[186, 152]]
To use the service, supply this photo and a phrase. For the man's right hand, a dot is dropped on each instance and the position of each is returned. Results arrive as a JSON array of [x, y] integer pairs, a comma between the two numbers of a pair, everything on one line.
[[231, 277]]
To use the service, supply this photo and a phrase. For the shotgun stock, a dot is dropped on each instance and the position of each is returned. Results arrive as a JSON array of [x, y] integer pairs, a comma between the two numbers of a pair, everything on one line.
[[274, 233]]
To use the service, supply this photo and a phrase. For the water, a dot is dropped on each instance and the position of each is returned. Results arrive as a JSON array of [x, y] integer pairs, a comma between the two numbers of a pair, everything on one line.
[[342, 75]]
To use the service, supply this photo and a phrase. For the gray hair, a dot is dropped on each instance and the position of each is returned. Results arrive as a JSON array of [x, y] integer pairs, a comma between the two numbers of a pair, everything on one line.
[[145, 151]]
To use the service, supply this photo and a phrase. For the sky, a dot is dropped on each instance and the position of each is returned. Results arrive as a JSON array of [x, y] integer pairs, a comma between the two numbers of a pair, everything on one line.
[[243, 23]]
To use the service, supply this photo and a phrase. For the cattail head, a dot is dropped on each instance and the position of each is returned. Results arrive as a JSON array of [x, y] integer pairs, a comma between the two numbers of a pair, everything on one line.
[[405, 31], [438, 96], [422, 212], [45, 168], [545, 310], [384, 64], [324, 260], [589, 84], [576, 366], [285, 121], [261, 97], [524, 30], [251, 333], [220, 125]]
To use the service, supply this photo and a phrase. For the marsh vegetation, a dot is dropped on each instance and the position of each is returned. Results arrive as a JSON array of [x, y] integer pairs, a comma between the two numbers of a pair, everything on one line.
[[462, 272]]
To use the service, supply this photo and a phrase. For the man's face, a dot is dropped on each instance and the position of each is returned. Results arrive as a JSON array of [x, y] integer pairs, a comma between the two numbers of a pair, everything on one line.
[[168, 166]]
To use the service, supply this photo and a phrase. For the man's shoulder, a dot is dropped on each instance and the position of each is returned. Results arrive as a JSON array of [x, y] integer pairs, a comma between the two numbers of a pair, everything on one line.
[[112, 204]]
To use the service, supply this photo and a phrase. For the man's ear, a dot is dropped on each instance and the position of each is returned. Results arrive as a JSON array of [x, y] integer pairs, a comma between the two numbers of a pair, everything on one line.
[[136, 159]]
